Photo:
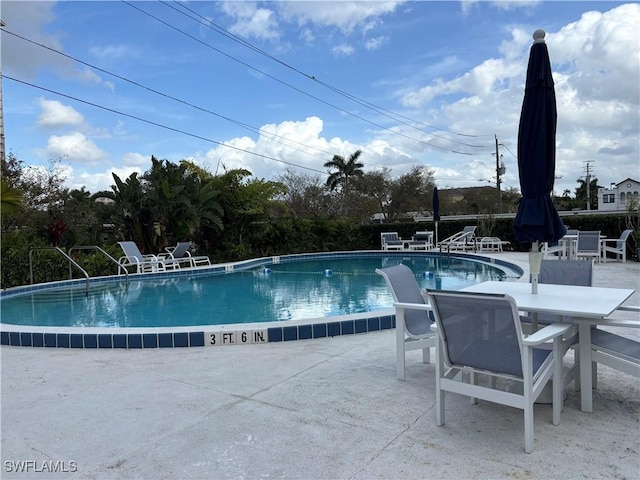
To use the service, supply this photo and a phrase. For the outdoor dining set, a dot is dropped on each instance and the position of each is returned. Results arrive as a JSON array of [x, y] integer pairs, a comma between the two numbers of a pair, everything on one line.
[[577, 244], [507, 343]]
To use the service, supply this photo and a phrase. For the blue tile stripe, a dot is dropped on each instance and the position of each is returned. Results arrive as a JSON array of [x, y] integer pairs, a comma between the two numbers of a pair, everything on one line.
[[120, 340]]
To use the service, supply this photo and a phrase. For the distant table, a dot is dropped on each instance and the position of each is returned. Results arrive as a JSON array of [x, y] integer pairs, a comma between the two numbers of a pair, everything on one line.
[[586, 306]]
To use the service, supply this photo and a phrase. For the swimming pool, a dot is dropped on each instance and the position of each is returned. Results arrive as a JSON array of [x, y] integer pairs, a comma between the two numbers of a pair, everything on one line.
[[249, 302]]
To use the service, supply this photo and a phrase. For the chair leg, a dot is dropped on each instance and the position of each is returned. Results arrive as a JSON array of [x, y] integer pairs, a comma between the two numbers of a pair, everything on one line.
[[528, 427], [439, 391], [426, 355], [557, 382], [400, 344]]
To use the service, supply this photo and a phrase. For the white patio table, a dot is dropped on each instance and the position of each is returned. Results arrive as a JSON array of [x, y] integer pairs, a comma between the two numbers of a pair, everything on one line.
[[586, 305]]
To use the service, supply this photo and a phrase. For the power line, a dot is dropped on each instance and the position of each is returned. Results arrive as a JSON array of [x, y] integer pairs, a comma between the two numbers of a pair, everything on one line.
[[231, 57], [166, 127], [388, 113], [184, 102]]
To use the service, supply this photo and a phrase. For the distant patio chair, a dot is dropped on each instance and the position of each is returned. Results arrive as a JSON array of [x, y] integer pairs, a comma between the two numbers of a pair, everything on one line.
[[181, 254], [413, 323], [558, 249], [391, 241], [619, 249], [588, 245], [464, 240], [421, 241], [480, 338], [143, 263]]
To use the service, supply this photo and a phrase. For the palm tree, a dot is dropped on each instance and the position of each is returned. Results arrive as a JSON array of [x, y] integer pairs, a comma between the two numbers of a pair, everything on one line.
[[345, 169]]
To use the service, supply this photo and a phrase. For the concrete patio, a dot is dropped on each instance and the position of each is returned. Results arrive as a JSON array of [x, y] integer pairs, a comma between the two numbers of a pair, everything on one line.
[[311, 409]]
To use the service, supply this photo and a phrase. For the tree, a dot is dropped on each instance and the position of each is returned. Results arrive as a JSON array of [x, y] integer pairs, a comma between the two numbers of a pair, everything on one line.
[[581, 194], [344, 170], [411, 192], [305, 196]]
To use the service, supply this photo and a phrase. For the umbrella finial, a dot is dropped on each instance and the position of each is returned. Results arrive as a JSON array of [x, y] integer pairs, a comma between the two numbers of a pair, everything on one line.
[[538, 36]]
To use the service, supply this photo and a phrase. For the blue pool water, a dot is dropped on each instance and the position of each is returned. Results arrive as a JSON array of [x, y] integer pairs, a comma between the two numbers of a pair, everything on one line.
[[292, 290]]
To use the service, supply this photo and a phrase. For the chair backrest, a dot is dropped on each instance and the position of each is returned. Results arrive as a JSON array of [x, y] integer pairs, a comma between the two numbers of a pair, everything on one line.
[[404, 289], [588, 241], [181, 249], [622, 241], [131, 250], [567, 272], [479, 330], [470, 229], [421, 236], [572, 232], [389, 237]]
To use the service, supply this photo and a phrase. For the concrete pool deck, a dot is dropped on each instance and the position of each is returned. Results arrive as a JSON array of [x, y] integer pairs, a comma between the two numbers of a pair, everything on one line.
[[310, 409]]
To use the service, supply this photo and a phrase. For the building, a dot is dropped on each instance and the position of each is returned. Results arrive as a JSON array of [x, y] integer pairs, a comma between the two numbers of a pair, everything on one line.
[[618, 196]]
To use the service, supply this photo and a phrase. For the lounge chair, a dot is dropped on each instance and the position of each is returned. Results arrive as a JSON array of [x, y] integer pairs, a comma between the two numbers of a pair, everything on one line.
[[180, 253], [391, 241], [413, 324], [464, 240], [143, 263], [421, 241], [481, 342], [619, 249]]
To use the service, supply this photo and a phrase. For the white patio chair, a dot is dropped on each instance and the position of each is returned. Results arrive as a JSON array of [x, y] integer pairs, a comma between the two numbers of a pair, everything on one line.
[[588, 245], [421, 241], [619, 249], [143, 263], [615, 351], [553, 249], [570, 272], [481, 342], [413, 324], [391, 241], [181, 254]]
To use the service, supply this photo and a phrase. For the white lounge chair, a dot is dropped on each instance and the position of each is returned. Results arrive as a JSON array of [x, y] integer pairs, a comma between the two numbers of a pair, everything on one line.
[[143, 263], [619, 249], [464, 240], [481, 341], [413, 325], [181, 254]]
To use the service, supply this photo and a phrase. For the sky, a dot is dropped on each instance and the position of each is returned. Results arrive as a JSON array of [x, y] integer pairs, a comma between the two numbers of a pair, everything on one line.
[[98, 87]]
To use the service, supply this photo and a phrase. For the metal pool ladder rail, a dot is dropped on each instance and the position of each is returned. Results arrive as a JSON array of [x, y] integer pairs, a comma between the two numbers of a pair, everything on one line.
[[74, 263]]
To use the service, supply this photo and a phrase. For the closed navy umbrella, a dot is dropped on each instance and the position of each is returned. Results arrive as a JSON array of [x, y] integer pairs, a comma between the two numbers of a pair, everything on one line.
[[436, 210], [537, 219]]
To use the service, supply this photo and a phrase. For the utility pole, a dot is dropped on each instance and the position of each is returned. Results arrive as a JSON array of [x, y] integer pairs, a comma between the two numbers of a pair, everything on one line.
[[2, 151], [500, 169], [588, 179]]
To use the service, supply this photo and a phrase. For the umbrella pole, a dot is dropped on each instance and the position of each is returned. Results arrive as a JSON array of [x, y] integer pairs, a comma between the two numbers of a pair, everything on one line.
[[535, 258], [436, 244]]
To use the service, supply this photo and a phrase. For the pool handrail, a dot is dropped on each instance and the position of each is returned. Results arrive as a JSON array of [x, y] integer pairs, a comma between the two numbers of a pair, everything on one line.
[[95, 247], [62, 252]]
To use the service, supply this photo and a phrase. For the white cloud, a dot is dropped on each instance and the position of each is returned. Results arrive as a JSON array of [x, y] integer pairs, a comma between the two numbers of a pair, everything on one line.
[[55, 115], [375, 43], [343, 50], [346, 16], [251, 21], [74, 148]]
